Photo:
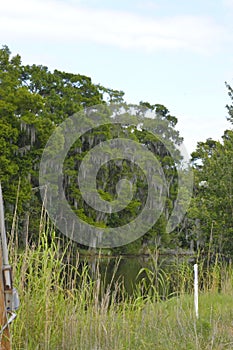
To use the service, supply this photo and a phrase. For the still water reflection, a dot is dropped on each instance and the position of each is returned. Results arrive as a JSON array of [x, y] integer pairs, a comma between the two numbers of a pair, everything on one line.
[[131, 271]]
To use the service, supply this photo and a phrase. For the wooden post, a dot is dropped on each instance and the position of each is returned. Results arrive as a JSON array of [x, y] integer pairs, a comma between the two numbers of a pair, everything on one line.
[[5, 341]]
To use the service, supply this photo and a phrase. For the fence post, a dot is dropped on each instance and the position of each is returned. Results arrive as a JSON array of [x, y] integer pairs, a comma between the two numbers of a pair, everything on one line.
[[196, 290], [5, 341]]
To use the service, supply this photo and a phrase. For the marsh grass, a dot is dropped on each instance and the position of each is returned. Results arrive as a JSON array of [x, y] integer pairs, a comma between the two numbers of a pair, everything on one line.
[[63, 307]]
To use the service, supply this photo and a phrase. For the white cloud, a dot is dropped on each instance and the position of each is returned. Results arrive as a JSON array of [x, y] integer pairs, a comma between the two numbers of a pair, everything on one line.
[[52, 20]]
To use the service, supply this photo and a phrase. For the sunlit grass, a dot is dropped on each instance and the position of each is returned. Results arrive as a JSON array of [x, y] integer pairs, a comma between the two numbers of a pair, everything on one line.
[[62, 307]]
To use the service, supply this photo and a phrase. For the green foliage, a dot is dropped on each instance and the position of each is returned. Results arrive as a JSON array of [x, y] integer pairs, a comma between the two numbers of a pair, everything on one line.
[[210, 215], [213, 200], [33, 102]]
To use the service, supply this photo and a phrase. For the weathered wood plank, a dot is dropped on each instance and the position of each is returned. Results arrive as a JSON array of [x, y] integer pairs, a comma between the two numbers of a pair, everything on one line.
[[5, 340]]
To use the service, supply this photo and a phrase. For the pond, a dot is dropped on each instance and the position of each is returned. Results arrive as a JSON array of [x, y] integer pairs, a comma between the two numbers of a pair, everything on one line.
[[147, 273]]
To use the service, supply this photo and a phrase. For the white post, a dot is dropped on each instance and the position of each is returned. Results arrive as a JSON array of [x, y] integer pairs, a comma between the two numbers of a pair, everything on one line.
[[196, 289]]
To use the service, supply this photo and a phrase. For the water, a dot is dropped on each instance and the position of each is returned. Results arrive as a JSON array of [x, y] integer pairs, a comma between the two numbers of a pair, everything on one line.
[[133, 271]]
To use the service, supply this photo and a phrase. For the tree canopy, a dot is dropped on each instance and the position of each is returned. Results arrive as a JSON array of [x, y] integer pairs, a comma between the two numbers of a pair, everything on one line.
[[34, 101]]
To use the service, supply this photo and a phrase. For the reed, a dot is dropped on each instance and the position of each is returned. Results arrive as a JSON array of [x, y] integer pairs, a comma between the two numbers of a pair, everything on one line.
[[63, 307]]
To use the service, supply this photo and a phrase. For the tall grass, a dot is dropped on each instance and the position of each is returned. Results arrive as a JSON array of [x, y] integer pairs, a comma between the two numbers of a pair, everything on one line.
[[62, 307]]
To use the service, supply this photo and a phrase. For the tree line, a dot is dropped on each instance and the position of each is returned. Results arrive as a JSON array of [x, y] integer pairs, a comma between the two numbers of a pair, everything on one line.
[[34, 101]]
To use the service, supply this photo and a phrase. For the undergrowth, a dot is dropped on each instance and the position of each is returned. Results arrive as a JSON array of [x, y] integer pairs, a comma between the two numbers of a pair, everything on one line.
[[64, 307]]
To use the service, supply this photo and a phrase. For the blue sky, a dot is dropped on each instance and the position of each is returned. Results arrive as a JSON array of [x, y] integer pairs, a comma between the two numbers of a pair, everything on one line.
[[177, 53]]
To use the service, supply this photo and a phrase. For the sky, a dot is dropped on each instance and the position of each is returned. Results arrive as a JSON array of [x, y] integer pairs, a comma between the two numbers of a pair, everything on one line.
[[176, 53]]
